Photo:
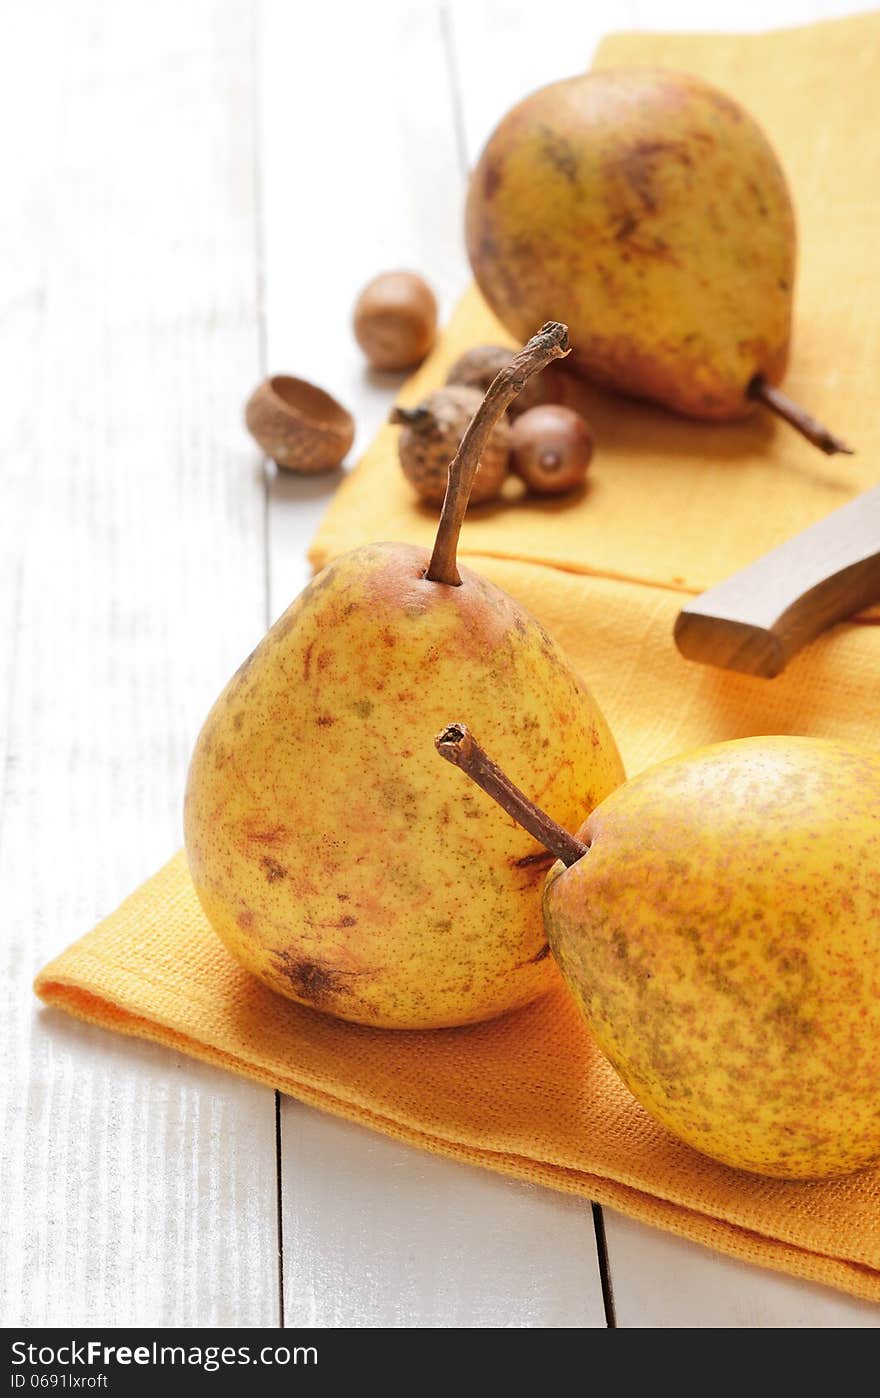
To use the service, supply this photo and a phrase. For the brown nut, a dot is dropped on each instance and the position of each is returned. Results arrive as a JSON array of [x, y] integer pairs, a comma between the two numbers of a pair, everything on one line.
[[546, 387], [477, 368], [551, 448], [431, 436], [299, 425], [395, 320]]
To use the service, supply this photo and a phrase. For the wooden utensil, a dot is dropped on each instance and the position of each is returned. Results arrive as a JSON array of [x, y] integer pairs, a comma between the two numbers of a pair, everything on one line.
[[755, 621]]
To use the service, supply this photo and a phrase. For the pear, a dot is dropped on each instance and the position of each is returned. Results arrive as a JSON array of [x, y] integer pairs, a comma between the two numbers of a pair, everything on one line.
[[305, 830], [650, 210], [718, 922]]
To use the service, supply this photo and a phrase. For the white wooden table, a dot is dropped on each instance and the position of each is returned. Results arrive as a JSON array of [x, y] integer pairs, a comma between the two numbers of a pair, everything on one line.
[[192, 194]]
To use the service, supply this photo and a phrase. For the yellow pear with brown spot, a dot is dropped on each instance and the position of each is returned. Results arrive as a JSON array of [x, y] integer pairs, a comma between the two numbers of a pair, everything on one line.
[[328, 851], [651, 211], [718, 922]]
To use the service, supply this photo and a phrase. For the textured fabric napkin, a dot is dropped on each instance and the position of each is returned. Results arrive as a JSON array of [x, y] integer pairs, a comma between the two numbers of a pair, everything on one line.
[[671, 507]]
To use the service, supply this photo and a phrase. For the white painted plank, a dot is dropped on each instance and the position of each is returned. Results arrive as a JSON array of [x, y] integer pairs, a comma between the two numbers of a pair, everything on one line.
[[376, 1233], [138, 1187], [661, 1281], [504, 49], [361, 173]]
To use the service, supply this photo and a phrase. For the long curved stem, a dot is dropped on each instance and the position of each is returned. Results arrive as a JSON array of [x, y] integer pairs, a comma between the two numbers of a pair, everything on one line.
[[797, 417], [551, 342], [458, 745]]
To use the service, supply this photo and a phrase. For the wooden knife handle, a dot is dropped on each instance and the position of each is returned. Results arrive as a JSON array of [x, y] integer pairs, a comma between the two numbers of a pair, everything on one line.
[[755, 621]]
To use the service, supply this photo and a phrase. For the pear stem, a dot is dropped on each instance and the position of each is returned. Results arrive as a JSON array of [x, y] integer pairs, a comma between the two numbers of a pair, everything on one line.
[[798, 417], [551, 342], [458, 745]]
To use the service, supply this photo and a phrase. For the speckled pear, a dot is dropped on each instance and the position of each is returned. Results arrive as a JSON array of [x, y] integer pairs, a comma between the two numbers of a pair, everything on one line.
[[328, 851], [718, 922], [650, 210]]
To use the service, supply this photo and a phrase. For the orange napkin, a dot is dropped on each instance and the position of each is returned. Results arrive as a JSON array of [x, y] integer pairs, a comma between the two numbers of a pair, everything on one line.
[[672, 507]]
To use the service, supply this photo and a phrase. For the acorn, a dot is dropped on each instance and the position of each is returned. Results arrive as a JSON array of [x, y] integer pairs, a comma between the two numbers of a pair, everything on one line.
[[299, 425], [551, 448], [431, 436], [477, 368], [395, 320]]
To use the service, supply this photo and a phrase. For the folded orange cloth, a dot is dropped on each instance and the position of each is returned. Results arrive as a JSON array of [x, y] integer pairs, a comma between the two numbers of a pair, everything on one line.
[[528, 1095], [672, 507]]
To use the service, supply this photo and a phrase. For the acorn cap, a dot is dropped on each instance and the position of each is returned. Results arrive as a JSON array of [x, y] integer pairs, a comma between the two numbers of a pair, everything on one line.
[[299, 425], [431, 436]]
